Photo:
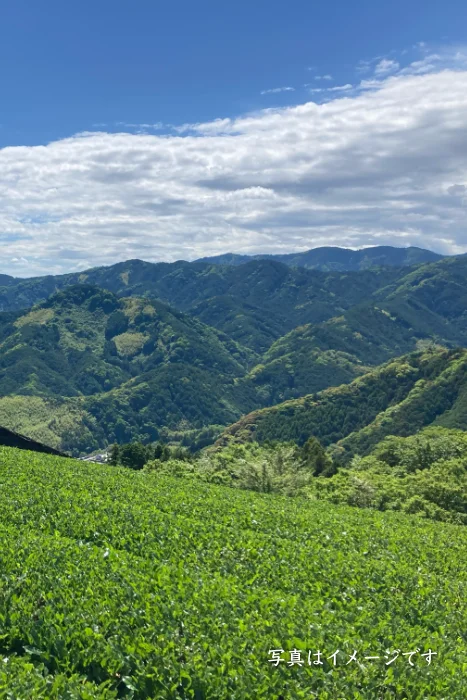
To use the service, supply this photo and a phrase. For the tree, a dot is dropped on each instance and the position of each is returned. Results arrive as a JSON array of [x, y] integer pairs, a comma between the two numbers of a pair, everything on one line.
[[114, 454], [117, 323], [314, 457], [133, 455], [161, 452]]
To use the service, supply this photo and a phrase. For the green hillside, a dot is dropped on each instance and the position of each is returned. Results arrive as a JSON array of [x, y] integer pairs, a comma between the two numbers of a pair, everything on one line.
[[424, 473], [283, 297], [313, 357], [163, 279], [398, 398], [84, 368], [90, 365], [121, 584], [425, 305], [258, 302]]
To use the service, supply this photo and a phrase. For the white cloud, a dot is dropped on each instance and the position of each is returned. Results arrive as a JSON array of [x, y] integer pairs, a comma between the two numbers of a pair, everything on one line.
[[386, 165], [274, 91], [336, 88], [386, 66], [341, 88], [428, 64], [157, 126], [370, 84], [323, 77]]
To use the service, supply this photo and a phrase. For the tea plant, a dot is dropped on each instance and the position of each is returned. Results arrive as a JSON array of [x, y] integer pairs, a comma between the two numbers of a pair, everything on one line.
[[117, 583]]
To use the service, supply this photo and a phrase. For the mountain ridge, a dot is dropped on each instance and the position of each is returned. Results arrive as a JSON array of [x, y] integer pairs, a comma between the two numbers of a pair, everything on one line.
[[93, 364], [336, 258], [400, 397]]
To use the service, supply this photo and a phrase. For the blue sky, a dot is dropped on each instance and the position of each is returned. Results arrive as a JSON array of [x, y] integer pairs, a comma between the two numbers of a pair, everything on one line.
[[67, 66], [163, 131]]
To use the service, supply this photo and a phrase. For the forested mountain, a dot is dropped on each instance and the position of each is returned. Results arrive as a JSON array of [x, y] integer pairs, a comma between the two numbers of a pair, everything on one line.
[[231, 298], [426, 305], [185, 284], [258, 302], [107, 359], [85, 367], [329, 258], [398, 398]]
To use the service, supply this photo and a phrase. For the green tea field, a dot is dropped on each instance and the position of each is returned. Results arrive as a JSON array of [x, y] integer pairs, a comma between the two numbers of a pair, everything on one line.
[[122, 584]]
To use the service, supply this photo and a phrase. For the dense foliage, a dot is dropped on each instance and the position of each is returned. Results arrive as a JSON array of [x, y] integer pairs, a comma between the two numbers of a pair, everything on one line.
[[118, 583], [398, 398], [135, 455], [274, 468], [425, 474], [85, 368]]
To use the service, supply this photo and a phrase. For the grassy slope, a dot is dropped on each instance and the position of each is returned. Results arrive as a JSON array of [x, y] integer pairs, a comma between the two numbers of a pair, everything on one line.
[[118, 582]]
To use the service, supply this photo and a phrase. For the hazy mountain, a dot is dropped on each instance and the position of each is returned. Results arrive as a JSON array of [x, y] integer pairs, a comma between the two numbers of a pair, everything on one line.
[[329, 258]]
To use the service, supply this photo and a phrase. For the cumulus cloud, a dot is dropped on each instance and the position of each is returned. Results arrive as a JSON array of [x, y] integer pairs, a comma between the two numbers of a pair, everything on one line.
[[386, 165], [274, 91]]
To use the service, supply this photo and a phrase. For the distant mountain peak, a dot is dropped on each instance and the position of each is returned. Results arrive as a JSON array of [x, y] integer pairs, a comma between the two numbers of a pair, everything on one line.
[[335, 258]]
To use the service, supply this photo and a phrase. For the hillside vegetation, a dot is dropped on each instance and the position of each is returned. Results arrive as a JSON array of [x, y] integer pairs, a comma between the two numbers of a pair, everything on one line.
[[425, 473], [232, 299], [85, 367], [123, 584], [398, 398], [93, 363]]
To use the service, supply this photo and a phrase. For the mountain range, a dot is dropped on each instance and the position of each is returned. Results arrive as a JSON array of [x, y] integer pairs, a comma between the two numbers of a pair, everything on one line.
[[328, 258], [136, 349]]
